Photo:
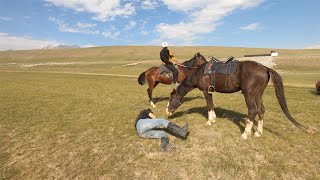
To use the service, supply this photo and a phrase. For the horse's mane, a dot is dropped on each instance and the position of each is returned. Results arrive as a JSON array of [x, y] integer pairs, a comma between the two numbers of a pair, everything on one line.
[[190, 63]]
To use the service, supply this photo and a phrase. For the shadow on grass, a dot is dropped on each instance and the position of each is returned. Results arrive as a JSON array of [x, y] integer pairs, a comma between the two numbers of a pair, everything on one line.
[[235, 117], [315, 92], [232, 116]]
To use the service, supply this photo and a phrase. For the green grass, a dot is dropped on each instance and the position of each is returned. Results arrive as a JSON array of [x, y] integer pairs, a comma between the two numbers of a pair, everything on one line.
[[80, 126]]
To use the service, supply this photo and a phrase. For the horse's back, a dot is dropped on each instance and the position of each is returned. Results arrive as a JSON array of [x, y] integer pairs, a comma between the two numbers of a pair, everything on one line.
[[152, 71], [252, 67]]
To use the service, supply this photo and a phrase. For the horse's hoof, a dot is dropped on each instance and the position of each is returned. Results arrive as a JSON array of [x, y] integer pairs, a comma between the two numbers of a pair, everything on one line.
[[153, 105], [257, 134], [209, 123], [244, 136]]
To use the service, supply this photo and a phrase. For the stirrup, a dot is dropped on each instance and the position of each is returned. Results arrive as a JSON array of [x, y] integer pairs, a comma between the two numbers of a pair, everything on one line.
[[210, 89]]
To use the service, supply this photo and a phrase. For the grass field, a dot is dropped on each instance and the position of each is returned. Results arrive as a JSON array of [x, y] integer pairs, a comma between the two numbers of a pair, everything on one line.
[[69, 114]]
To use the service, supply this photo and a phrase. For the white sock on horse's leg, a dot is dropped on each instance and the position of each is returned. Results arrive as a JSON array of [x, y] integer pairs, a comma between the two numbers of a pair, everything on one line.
[[152, 104], [212, 117], [247, 130], [258, 133]]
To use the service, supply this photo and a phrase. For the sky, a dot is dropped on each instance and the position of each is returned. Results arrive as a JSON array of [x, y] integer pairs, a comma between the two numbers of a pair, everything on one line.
[[34, 24]]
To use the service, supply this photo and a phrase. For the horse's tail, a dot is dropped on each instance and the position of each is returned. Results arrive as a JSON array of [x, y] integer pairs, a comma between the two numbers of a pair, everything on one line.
[[142, 78], [278, 87]]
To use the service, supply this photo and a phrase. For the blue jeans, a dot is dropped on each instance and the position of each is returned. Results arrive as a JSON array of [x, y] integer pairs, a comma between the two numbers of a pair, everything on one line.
[[145, 128]]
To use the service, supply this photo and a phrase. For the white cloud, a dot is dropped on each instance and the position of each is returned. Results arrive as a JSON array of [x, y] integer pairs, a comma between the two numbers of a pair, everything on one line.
[[85, 25], [185, 5], [131, 25], [88, 46], [113, 35], [149, 4], [5, 18], [103, 9], [144, 33], [85, 28], [204, 16], [315, 46], [21, 43], [251, 27]]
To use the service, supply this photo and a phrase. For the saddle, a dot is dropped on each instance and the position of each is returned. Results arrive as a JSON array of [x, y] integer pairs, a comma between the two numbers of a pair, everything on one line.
[[164, 70], [215, 66]]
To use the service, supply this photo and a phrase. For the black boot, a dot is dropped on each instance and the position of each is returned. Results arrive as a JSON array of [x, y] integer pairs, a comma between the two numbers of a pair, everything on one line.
[[165, 145], [177, 129]]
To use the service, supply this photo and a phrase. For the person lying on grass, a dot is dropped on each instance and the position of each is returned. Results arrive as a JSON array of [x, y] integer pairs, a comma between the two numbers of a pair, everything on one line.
[[146, 126]]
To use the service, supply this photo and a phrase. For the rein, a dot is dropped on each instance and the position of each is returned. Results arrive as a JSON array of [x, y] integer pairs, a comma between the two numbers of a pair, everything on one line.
[[186, 66]]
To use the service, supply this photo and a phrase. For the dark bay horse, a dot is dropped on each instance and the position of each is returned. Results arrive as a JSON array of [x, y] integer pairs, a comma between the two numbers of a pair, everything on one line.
[[250, 77], [318, 88], [153, 77]]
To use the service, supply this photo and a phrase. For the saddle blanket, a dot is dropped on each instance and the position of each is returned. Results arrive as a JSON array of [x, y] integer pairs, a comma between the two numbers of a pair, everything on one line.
[[164, 69]]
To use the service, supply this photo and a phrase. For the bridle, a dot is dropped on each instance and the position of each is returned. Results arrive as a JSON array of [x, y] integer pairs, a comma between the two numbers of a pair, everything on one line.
[[186, 66]]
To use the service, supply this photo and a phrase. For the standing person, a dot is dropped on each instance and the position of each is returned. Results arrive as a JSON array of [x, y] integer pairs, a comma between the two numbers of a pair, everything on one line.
[[146, 123], [165, 57]]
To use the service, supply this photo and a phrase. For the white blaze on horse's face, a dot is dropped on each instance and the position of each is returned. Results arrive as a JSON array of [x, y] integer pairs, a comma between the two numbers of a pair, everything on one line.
[[167, 111]]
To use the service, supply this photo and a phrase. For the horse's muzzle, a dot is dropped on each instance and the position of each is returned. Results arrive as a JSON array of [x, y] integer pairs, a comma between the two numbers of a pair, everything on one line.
[[168, 113]]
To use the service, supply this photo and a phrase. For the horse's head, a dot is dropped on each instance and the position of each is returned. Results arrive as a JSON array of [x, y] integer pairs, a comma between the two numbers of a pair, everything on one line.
[[174, 103], [199, 59]]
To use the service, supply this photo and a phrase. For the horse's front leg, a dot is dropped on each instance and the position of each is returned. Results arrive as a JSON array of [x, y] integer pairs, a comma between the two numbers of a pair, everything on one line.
[[211, 114]]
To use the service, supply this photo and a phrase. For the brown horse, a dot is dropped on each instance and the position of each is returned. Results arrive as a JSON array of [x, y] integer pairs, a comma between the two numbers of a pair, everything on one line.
[[153, 76], [318, 88], [250, 77]]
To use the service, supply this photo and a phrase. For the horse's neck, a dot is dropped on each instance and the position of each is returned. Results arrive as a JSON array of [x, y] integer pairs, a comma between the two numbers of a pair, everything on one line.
[[182, 71], [184, 89]]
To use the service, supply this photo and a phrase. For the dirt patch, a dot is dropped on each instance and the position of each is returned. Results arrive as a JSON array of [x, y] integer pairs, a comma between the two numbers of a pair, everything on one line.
[[264, 60]]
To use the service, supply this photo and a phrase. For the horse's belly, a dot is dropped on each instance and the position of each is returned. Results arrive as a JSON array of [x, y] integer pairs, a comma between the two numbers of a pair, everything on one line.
[[227, 84], [227, 89]]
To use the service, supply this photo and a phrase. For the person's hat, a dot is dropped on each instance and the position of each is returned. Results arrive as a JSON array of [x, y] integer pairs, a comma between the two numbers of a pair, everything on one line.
[[164, 44]]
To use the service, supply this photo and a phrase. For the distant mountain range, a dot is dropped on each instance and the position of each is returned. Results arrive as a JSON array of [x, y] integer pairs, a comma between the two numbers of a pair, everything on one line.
[[61, 46]]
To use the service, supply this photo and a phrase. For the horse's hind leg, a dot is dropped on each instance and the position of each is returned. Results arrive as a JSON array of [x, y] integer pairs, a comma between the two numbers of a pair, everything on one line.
[[152, 85], [251, 104], [260, 111]]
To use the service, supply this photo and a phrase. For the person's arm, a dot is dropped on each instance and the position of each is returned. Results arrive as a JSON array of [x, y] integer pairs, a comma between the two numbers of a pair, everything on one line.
[[172, 59], [152, 115]]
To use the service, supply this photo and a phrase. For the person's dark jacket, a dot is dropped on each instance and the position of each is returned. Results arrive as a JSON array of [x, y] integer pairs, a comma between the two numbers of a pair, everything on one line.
[[165, 56], [144, 114]]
